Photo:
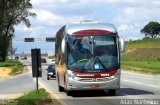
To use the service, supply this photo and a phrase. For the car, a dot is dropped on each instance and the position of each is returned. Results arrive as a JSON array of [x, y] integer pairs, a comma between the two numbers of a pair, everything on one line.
[[52, 61], [23, 57], [43, 60], [51, 72], [16, 58]]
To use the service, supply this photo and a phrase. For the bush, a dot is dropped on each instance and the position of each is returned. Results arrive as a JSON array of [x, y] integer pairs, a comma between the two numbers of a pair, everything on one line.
[[17, 69], [146, 38]]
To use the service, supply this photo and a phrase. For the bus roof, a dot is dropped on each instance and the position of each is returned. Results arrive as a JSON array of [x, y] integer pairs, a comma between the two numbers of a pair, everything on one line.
[[91, 26]]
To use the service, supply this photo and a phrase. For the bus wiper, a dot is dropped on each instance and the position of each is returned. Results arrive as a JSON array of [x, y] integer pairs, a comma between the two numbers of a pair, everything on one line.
[[93, 62]]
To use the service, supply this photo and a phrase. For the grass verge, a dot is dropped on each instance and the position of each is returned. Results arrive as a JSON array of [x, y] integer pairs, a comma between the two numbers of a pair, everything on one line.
[[9, 63], [16, 69], [35, 97], [51, 57], [16, 66], [148, 67]]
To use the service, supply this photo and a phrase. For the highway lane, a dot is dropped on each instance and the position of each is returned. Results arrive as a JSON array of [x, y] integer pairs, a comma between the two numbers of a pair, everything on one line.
[[148, 83], [133, 86], [18, 84]]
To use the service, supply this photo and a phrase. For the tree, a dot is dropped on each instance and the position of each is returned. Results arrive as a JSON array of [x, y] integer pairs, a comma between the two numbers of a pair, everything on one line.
[[152, 29], [12, 51], [12, 13]]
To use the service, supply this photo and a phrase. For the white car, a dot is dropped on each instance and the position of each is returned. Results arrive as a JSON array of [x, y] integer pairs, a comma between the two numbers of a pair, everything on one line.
[[52, 61]]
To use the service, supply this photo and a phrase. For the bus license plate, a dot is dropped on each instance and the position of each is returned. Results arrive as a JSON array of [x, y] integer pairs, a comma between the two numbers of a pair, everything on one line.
[[94, 85]]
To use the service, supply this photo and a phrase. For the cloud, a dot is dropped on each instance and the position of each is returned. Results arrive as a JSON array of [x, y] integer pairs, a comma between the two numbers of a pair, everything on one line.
[[46, 17], [69, 7], [123, 27], [130, 31], [131, 19], [26, 29], [127, 15], [133, 14], [122, 1], [53, 2]]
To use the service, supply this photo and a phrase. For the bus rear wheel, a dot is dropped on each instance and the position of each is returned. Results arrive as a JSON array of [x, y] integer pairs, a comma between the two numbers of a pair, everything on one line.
[[112, 92]]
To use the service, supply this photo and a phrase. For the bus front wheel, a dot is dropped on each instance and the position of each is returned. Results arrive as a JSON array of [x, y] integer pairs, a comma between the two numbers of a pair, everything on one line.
[[60, 88], [112, 92], [68, 92]]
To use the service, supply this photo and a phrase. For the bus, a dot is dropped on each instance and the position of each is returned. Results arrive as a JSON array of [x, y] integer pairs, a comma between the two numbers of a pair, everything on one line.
[[87, 57]]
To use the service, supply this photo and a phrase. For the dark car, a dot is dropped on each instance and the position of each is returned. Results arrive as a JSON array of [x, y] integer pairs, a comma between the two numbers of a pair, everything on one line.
[[43, 60], [16, 58], [51, 72]]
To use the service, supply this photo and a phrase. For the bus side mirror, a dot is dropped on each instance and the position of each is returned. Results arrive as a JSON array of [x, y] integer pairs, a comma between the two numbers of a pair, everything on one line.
[[63, 45], [122, 43]]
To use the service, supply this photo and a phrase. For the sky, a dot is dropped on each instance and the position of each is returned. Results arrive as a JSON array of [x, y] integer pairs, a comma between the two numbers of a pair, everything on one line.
[[128, 16]]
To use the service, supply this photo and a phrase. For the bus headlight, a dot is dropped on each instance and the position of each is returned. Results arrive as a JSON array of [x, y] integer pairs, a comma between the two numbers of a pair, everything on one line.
[[115, 75], [112, 77], [70, 75]]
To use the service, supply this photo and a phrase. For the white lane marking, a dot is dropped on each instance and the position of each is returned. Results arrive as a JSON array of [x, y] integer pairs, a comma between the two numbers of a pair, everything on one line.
[[132, 81], [141, 83], [140, 75], [154, 86]]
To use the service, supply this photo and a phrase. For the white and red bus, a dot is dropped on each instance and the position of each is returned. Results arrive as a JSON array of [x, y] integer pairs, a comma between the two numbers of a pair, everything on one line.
[[88, 57]]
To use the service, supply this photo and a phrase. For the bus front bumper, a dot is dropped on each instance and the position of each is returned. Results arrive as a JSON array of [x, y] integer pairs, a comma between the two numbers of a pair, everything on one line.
[[105, 85]]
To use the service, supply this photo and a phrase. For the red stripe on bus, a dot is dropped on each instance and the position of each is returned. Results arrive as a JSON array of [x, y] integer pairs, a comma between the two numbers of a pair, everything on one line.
[[93, 32], [94, 75]]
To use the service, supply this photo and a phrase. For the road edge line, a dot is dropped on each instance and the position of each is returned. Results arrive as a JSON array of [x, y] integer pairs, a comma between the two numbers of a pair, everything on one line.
[[48, 90]]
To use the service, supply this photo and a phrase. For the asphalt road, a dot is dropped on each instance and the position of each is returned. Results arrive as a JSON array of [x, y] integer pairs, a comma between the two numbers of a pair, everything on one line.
[[16, 86], [135, 88]]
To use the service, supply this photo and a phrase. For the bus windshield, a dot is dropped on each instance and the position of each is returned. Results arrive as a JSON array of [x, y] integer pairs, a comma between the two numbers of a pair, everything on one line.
[[96, 53]]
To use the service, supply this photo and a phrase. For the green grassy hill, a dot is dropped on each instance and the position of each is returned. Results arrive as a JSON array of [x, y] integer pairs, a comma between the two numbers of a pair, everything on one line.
[[142, 56], [146, 49], [145, 43]]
